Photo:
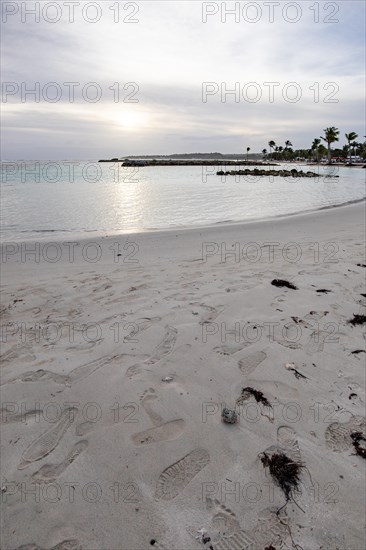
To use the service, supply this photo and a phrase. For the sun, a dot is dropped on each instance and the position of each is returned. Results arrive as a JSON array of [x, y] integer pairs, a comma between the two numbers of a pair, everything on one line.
[[130, 120]]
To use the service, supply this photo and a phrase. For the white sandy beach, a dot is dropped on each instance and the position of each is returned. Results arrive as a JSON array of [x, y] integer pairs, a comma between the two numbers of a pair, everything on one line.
[[114, 373]]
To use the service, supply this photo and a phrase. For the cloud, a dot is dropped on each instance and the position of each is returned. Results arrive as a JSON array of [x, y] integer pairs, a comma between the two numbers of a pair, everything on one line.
[[169, 53]]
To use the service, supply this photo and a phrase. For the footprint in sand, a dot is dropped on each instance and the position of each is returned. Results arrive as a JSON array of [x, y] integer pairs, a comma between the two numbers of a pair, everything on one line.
[[162, 431], [71, 544], [270, 530], [17, 354], [49, 440], [111, 417], [278, 301], [237, 541], [248, 364], [173, 480], [166, 432], [146, 322], [287, 343], [77, 374], [213, 313], [49, 472], [11, 417], [287, 442], [224, 521], [86, 370], [225, 532], [318, 338], [316, 341], [39, 376], [231, 350], [146, 399], [338, 435], [163, 349]]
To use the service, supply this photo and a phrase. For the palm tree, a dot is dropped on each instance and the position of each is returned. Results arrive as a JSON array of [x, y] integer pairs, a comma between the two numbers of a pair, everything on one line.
[[345, 150], [321, 150], [354, 145], [264, 152], [331, 135], [315, 147], [350, 137], [272, 145], [248, 149], [288, 144]]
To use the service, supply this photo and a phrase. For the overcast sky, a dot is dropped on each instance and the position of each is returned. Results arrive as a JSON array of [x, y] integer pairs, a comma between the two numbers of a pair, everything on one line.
[[161, 54]]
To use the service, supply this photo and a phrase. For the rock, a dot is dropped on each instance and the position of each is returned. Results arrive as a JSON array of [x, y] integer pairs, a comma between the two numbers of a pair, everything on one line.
[[167, 379], [229, 416]]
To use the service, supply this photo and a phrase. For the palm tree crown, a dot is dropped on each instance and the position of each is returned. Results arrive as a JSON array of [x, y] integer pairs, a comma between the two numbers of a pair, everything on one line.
[[315, 147], [331, 135], [272, 145], [350, 137]]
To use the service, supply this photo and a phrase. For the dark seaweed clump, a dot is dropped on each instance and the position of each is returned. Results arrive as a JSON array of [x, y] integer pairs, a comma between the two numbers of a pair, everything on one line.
[[323, 290], [282, 283], [357, 437], [285, 471], [258, 396], [297, 373], [357, 320]]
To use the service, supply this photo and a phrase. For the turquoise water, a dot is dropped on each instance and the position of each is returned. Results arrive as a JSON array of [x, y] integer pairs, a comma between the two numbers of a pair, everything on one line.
[[47, 198]]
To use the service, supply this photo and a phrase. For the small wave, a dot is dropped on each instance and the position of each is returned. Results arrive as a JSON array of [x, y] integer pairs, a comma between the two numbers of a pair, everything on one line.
[[47, 231]]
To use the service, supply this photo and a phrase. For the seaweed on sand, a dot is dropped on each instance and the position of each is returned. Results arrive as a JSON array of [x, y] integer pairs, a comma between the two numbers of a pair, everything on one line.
[[357, 319], [285, 472], [291, 367], [357, 437], [258, 396], [282, 283]]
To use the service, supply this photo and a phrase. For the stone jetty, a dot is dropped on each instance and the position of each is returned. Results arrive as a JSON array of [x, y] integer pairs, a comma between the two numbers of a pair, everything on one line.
[[282, 173]]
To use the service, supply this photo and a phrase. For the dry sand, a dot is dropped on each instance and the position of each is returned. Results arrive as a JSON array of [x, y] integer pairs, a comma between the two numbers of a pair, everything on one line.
[[115, 371]]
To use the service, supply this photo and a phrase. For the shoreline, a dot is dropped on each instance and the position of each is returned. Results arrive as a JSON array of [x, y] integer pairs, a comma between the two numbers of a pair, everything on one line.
[[85, 235]]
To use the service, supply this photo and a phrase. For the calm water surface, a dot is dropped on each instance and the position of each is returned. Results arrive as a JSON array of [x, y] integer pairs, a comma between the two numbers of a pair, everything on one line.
[[43, 199]]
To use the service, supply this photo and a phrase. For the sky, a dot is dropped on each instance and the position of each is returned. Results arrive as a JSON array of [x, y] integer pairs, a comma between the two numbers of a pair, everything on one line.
[[112, 78]]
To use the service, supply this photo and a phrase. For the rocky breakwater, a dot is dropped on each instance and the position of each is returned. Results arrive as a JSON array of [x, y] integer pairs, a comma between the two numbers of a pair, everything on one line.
[[192, 162], [282, 173]]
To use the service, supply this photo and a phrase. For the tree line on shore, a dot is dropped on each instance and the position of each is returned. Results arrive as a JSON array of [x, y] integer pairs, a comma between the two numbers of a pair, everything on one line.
[[317, 150]]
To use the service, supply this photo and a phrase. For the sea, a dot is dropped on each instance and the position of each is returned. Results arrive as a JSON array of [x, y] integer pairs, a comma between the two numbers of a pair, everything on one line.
[[44, 199]]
